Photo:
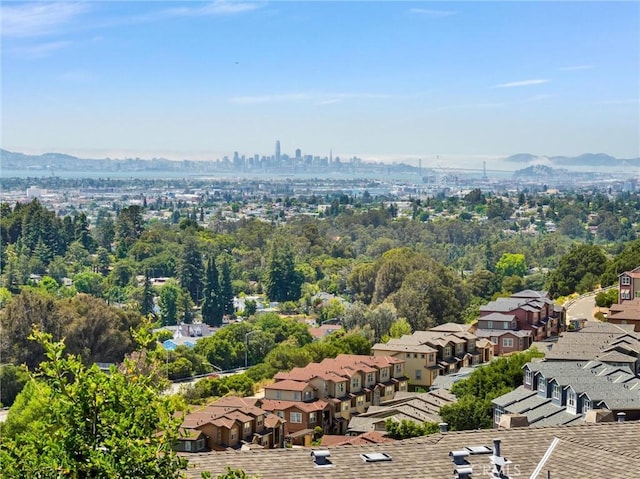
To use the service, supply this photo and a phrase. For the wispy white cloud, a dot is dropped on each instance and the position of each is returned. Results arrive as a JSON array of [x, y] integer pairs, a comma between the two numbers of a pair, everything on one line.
[[218, 7], [318, 98], [522, 83], [432, 13], [41, 49], [576, 67], [36, 19], [536, 98]]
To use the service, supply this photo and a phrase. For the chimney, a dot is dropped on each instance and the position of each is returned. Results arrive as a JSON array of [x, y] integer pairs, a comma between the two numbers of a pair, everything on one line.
[[496, 447], [444, 427], [621, 416], [598, 416]]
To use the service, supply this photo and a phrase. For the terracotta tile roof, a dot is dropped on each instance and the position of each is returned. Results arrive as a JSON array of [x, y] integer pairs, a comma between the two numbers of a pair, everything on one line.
[[277, 405], [584, 452]]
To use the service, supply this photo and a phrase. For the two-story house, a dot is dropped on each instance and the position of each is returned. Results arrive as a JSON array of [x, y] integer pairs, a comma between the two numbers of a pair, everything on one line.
[[229, 423], [629, 285], [334, 390], [627, 309], [514, 323], [428, 354], [562, 392]]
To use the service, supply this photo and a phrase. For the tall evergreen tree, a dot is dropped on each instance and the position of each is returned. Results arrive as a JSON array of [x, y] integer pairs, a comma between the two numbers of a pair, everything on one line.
[[226, 289], [283, 281], [212, 310], [191, 270], [146, 307]]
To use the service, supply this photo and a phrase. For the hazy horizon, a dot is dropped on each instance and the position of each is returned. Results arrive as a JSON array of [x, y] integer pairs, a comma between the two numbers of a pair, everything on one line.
[[378, 80]]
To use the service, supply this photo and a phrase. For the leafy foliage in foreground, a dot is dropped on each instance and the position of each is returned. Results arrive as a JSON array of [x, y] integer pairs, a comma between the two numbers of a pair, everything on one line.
[[473, 410], [86, 423]]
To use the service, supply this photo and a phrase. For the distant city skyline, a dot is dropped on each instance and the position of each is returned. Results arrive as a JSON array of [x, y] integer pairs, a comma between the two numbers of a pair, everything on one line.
[[383, 81]]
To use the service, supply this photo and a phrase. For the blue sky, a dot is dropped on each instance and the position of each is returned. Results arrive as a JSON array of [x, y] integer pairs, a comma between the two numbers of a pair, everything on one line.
[[383, 80]]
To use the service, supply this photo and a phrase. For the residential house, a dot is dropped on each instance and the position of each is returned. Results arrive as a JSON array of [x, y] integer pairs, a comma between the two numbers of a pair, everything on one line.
[[613, 344], [562, 392], [626, 312], [328, 393], [629, 285], [609, 449], [412, 406], [229, 423], [512, 324], [429, 354]]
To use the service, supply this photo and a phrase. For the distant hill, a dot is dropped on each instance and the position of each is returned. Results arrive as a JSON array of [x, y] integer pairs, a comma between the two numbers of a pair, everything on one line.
[[586, 159], [539, 171]]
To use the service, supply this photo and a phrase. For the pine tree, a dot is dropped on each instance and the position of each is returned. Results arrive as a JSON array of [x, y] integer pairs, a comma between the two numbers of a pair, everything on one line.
[[226, 289], [146, 307], [191, 270], [212, 310]]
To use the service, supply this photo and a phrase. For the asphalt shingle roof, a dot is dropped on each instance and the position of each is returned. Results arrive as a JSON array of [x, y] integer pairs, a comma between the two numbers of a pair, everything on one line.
[[586, 451]]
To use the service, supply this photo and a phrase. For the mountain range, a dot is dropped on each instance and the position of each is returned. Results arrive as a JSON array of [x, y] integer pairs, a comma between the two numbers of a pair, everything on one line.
[[586, 159]]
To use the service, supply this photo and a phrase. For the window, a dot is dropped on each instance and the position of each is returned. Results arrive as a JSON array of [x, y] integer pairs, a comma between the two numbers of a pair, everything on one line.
[[408, 355], [571, 401], [505, 325], [556, 393], [360, 400], [280, 414], [586, 405], [296, 396], [309, 395], [497, 414], [447, 352], [399, 367], [312, 417], [431, 358], [384, 373], [389, 391], [422, 356], [494, 339], [346, 405], [233, 435], [459, 348], [295, 417], [247, 428], [625, 280], [200, 444], [415, 355], [418, 374], [542, 385], [259, 420], [625, 294], [278, 394], [355, 382], [527, 377], [371, 378], [187, 446], [507, 342], [489, 324], [340, 387], [471, 346]]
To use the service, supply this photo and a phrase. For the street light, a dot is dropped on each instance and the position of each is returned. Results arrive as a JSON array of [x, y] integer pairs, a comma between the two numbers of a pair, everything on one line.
[[246, 349]]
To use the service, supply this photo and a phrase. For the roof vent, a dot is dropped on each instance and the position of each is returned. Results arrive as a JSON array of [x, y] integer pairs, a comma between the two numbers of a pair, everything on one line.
[[444, 427], [321, 458], [376, 457], [621, 416], [463, 469]]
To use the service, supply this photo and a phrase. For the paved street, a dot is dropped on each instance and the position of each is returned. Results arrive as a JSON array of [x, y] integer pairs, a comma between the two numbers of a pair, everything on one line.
[[583, 308]]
